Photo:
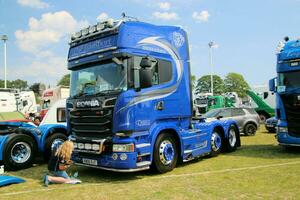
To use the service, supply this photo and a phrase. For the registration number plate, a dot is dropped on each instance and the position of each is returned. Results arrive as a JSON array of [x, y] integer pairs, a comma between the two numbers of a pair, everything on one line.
[[269, 125], [89, 161]]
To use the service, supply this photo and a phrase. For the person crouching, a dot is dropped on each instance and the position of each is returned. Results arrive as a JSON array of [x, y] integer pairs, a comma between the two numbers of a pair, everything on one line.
[[59, 162]]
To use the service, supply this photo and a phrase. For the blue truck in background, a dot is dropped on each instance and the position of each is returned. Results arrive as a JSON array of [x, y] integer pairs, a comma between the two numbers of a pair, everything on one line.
[[130, 104], [287, 88], [21, 141]]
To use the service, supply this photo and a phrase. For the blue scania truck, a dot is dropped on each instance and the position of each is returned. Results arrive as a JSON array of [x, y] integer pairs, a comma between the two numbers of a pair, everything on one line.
[[287, 88], [130, 104]]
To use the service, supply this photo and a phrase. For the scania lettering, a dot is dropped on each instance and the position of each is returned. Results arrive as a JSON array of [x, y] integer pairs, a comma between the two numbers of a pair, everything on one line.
[[287, 88], [140, 75]]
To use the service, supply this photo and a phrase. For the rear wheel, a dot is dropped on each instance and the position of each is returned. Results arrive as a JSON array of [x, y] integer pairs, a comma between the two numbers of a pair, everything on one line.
[[19, 152], [232, 139], [216, 143], [165, 153], [250, 129], [52, 141], [263, 118]]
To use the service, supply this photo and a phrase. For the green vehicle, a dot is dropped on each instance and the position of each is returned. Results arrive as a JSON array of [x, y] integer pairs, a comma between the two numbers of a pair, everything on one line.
[[206, 103], [263, 109]]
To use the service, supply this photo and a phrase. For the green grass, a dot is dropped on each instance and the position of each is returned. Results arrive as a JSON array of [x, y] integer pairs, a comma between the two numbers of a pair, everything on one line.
[[260, 169]]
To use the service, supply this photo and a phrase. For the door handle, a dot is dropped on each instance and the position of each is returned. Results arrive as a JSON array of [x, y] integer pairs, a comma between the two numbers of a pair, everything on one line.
[[159, 105]]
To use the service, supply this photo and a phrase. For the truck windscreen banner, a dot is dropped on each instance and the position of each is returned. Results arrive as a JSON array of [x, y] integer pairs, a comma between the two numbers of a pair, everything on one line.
[[92, 47]]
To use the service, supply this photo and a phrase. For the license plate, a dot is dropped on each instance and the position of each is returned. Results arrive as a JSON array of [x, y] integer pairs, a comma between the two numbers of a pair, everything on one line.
[[269, 125], [89, 161]]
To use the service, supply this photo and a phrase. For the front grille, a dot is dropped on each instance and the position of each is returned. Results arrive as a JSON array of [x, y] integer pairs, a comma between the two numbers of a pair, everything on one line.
[[91, 123], [292, 111]]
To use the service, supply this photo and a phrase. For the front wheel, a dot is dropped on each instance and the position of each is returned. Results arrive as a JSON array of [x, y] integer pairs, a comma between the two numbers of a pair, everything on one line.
[[216, 143], [232, 139], [250, 129], [19, 152], [52, 142], [165, 153]]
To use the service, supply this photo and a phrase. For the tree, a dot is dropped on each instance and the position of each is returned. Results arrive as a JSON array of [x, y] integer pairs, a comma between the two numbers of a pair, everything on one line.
[[37, 88], [15, 84], [64, 81], [193, 82], [235, 82], [204, 85], [19, 84]]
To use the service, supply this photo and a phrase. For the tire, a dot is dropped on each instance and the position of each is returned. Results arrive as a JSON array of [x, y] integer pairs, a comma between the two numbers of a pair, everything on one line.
[[19, 152], [231, 142], [216, 143], [54, 138], [165, 154], [263, 118], [250, 129]]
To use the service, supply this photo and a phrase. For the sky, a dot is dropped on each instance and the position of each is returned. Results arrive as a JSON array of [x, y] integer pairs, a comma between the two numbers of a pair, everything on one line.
[[246, 33]]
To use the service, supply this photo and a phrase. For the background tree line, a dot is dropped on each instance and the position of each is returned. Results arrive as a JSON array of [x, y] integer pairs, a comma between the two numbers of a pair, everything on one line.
[[232, 82]]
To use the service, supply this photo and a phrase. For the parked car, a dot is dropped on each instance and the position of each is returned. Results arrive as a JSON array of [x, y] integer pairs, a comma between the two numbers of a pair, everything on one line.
[[246, 118], [271, 124]]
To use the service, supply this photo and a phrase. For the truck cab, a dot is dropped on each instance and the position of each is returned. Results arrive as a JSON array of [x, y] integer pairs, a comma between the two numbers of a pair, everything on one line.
[[130, 104], [287, 88]]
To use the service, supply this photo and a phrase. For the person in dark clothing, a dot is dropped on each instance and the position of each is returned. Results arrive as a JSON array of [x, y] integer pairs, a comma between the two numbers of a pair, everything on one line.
[[59, 162]]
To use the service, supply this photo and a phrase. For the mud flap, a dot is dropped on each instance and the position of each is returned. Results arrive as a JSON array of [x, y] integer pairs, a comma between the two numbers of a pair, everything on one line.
[[8, 180]]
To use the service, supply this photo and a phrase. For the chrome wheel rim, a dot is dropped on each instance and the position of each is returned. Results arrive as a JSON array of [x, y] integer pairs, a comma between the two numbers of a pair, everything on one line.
[[216, 141], [232, 137], [166, 152], [20, 152], [56, 143]]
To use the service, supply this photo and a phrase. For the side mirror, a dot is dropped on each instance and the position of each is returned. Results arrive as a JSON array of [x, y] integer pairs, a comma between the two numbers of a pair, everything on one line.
[[266, 94], [219, 117], [146, 72], [272, 86]]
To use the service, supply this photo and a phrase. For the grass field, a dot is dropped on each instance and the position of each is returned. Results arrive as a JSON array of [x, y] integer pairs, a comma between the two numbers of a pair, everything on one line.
[[260, 169]]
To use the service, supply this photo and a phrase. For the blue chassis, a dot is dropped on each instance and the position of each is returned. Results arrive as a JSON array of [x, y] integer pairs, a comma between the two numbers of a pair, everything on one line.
[[38, 133], [193, 143]]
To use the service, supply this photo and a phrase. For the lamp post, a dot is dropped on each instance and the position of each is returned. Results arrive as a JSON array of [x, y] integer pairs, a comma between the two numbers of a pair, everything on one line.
[[5, 38], [211, 45]]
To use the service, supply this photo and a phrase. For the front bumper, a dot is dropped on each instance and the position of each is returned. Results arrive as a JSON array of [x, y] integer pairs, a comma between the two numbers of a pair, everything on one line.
[[286, 140], [111, 162]]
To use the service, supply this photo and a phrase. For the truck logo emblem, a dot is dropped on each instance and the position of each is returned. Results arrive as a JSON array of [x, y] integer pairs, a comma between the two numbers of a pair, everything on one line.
[[142, 122], [178, 39], [91, 103]]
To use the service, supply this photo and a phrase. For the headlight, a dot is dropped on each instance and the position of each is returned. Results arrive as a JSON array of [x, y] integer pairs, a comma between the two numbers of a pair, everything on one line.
[[85, 31], [282, 129], [92, 29], [80, 146], [123, 147], [100, 26], [96, 147], [75, 145], [88, 146]]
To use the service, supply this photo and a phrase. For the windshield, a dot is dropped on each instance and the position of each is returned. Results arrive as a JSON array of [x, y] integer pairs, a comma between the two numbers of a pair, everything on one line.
[[211, 113], [289, 79], [102, 78]]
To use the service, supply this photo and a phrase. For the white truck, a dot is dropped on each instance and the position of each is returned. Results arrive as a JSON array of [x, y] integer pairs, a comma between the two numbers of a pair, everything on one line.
[[51, 95]]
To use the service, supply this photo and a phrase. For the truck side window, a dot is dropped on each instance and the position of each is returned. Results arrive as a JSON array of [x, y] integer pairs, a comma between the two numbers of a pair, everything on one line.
[[61, 115], [162, 71]]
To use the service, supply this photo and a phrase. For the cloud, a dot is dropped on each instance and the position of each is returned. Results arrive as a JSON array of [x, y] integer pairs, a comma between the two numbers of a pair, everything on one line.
[[165, 15], [202, 16], [103, 16], [48, 30], [43, 35], [33, 3], [164, 5]]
